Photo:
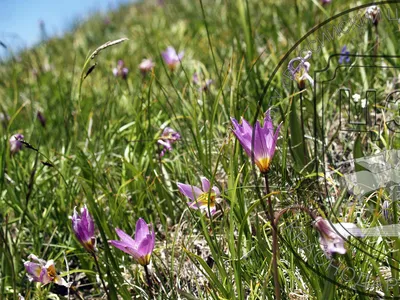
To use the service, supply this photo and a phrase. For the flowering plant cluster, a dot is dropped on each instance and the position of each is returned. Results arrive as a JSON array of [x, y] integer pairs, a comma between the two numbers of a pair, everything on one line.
[[139, 248], [120, 70], [259, 141], [170, 57], [167, 138]]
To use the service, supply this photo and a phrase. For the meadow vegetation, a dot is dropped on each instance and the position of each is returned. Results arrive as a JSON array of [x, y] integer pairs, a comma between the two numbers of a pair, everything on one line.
[[158, 143]]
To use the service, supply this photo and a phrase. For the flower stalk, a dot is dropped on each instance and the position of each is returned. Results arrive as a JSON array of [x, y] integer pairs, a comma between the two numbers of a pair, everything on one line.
[[303, 132], [274, 241], [149, 280], [96, 261]]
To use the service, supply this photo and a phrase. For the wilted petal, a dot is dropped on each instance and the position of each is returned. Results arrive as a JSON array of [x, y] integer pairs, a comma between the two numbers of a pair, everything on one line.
[[44, 277], [61, 281], [33, 257], [332, 235], [33, 269], [42, 271], [213, 210]]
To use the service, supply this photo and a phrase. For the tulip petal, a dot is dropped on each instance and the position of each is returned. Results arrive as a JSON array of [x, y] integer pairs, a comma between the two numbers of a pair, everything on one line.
[[125, 238], [146, 246], [123, 246], [192, 192], [205, 183], [142, 230], [216, 191], [33, 269]]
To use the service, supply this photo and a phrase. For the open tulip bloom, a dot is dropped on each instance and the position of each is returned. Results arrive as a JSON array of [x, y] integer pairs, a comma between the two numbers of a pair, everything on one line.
[[146, 66], [141, 247], [332, 236], [83, 227], [43, 271], [204, 199], [171, 57], [264, 140]]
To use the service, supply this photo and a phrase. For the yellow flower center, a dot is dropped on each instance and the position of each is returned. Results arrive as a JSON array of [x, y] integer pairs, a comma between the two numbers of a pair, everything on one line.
[[144, 260], [202, 200], [263, 164], [51, 272]]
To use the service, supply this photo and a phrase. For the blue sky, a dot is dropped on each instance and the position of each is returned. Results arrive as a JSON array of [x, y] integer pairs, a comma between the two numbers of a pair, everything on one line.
[[19, 19]]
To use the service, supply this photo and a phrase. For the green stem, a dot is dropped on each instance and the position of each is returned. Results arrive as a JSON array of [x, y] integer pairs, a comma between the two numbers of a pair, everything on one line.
[[302, 129], [149, 281], [100, 275], [274, 241], [295, 207]]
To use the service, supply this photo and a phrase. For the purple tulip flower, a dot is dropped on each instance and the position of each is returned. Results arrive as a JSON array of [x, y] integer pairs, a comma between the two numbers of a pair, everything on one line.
[[171, 57], [15, 143], [146, 66], [204, 199], [120, 70], [141, 247], [168, 137], [43, 271], [83, 227], [332, 236], [264, 140]]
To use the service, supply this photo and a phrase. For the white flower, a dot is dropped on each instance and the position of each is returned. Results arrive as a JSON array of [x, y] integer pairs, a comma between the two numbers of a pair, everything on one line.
[[356, 97]]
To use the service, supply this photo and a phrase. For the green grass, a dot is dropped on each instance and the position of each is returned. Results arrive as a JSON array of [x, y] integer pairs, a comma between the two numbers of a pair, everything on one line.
[[100, 143]]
